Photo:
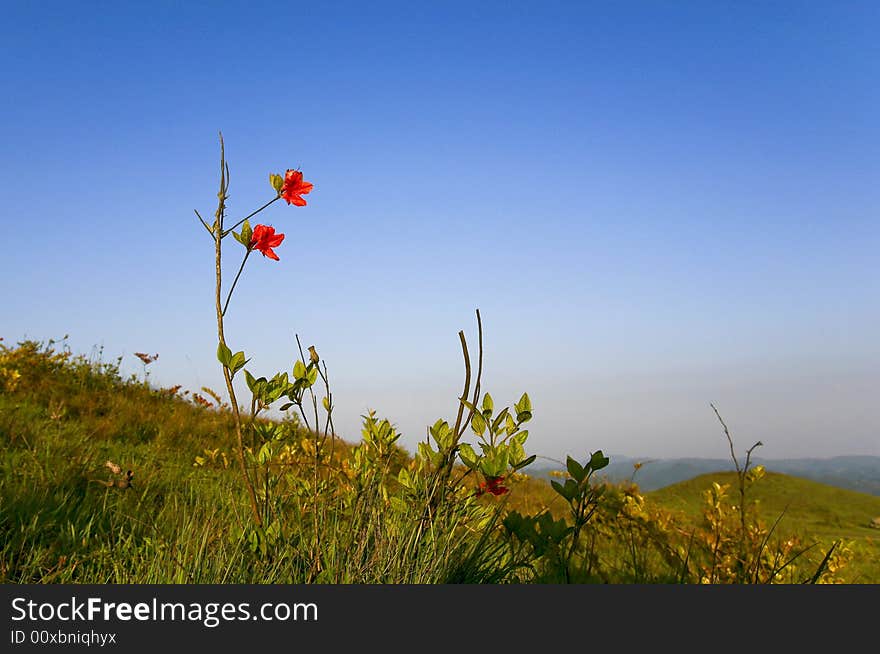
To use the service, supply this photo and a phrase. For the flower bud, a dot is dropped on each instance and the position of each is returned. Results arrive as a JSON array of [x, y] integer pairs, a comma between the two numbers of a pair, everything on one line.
[[277, 182]]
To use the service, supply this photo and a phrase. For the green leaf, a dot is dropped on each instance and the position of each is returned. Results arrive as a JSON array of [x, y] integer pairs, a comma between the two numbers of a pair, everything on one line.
[[265, 453], [403, 478], [224, 354], [469, 406], [523, 464], [441, 433], [267, 431], [299, 370], [246, 234], [326, 403], [599, 460], [312, 376], [503, 460], [523, 409], [428, 454], [286, 406], [251, 382], [426, 451], [274, 390], [517, 453], [575, 469], [238, 362], [496, 423], [488, 406], [467, 455], [478, 424], [559, 488], [495, 462], [277, 182], [513, 522]]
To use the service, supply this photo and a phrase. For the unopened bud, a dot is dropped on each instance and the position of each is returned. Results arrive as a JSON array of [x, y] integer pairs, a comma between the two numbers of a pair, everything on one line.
[[277, 182]]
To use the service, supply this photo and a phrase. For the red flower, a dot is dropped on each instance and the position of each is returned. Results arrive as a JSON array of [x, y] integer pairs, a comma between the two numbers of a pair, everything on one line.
[[494, 485], [264, 239], [294, 188]]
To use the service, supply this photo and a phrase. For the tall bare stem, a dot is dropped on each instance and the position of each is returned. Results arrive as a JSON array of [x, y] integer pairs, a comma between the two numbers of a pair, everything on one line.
[[227, 376]]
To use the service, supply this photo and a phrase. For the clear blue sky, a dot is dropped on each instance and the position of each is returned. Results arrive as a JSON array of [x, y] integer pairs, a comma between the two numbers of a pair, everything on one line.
[[655, 206]]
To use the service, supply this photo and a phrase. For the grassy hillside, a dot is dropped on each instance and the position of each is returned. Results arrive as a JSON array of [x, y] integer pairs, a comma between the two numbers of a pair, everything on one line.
[[65, 516], [806, 507]]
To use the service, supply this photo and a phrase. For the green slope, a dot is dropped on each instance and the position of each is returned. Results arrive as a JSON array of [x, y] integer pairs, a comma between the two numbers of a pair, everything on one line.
[[815, 511], [62, 417]]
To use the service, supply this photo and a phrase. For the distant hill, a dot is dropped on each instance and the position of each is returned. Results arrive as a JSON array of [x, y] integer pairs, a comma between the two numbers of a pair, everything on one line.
[[824, 512], [858, 473], [816, 511]]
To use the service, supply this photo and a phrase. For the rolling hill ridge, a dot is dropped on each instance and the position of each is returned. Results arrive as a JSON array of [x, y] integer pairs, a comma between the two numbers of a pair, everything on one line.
[[856, 473]]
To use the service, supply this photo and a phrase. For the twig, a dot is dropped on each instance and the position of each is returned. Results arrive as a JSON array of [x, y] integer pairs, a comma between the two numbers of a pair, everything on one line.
[[235, 281], [251, 215], [221, 208]]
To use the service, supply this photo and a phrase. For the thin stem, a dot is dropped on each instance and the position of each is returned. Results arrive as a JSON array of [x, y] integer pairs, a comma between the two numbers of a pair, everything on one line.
[[729, 439], [227, 376], [479, 365], [467, 384], [461, 427], [275, 199], [204, 223], [443, 474], [316, 559], [580, 519], [229, 297], [328, 425], [741, 474]]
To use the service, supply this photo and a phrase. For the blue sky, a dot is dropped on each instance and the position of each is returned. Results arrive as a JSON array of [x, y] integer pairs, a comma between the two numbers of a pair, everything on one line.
[[654, 205]]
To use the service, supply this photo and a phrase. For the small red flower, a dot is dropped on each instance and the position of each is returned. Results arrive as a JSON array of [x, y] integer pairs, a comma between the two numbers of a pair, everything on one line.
[[264, 239], [294, 188], [494, 485]]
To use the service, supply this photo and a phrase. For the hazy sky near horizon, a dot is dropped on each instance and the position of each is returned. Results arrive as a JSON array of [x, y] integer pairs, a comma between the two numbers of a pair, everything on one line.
[[654, 205]]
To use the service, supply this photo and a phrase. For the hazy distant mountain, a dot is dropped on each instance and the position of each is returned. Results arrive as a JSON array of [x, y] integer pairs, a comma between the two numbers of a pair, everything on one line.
[[859, 473]]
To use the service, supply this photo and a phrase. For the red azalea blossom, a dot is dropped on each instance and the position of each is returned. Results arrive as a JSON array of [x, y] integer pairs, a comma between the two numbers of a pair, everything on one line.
[[264, 239], [494, 485], [294, 188]]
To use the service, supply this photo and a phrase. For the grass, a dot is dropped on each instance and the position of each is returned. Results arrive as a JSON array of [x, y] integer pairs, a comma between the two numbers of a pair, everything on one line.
[[185, 518], [809, 509]]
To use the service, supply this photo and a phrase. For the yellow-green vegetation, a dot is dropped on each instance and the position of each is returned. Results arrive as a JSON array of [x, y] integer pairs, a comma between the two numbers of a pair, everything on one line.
[[106, 479], [807, 510]]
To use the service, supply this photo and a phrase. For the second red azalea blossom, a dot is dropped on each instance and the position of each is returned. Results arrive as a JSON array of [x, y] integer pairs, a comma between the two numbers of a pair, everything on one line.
[[494, 485], [294, 188], [264, 239]]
